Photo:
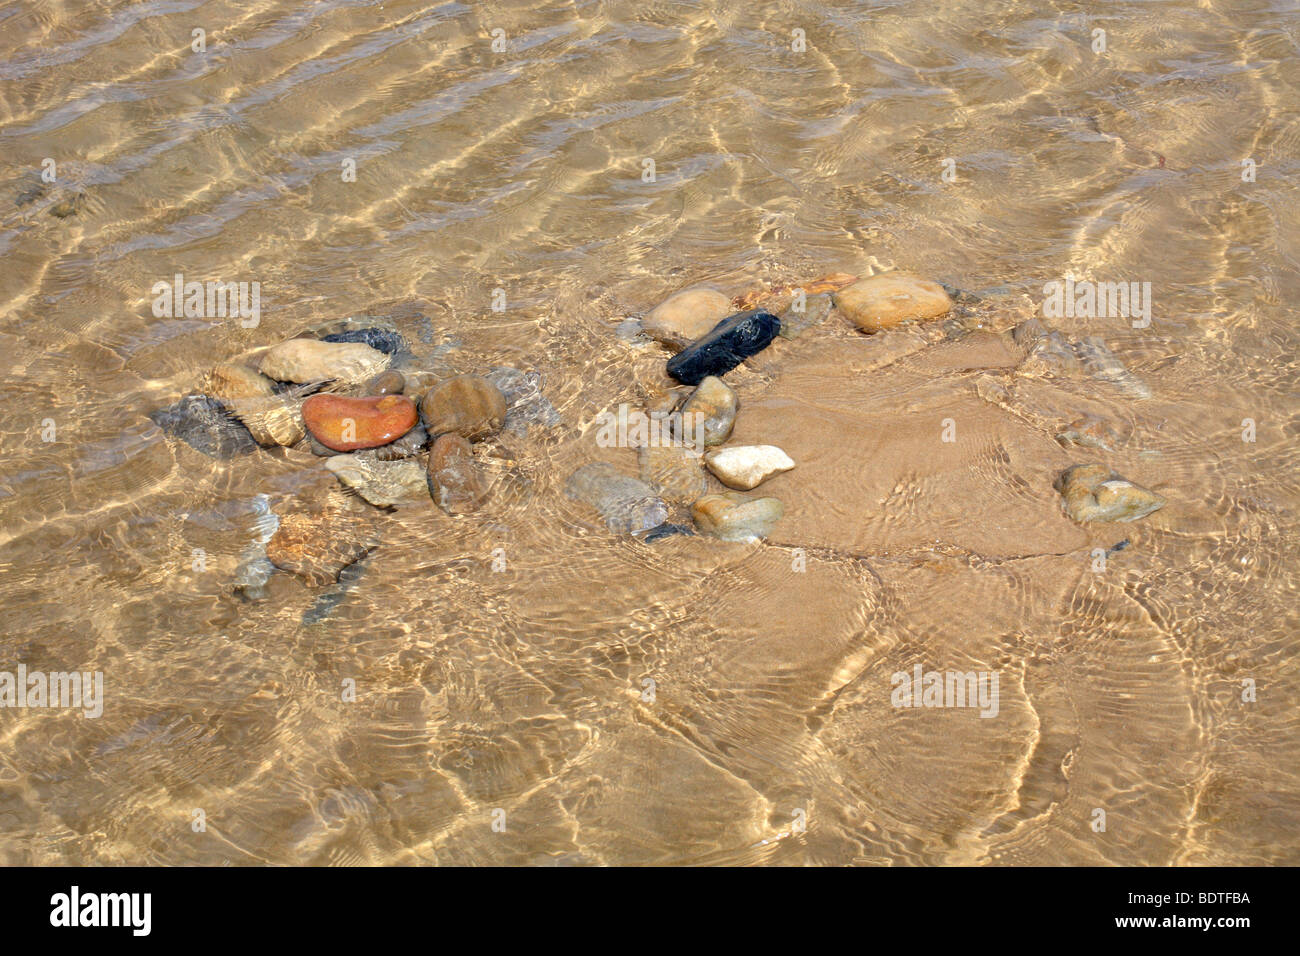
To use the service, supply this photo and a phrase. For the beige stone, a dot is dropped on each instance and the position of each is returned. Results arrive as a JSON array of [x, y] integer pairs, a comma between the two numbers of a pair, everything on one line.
[[747, 466], [310, 360], [686, 316], [885, 301]]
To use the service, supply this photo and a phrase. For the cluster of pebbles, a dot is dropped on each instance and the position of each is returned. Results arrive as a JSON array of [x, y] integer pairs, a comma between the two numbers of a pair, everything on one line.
[[388, 427], [392, 429], [709, 337]]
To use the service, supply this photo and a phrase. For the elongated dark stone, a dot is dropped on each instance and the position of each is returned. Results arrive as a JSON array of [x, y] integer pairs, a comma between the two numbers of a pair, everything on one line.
[[732, 340]]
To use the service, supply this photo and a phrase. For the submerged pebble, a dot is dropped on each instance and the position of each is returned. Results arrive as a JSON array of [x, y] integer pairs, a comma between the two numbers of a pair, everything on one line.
[[884, 301], [314, 360], [205, 425], [468, 405], [316, 547], [796, 321], [525, 403], [730, 342], [628, 506], [254, 568], [747, 466], [686, 316], [711, 407], [667, 530], [390, 382], [455, 478], [1089, 431], [388, 341], [735, 517], [1095, 493]]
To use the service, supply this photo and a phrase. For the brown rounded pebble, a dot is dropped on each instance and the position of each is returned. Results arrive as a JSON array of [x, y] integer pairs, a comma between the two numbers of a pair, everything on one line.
[[390, 382], [468, 405], [456, 482]]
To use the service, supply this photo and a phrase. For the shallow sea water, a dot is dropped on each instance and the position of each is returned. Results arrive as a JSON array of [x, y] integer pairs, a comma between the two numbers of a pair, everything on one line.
[[523, 695]]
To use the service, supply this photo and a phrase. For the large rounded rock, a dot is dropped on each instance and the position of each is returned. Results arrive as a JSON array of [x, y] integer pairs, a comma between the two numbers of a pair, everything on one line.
[[686, 316], [311, 360], [467, 405], [747, 466], [884, 301], [347, 424], [733, 517], [456, 481]]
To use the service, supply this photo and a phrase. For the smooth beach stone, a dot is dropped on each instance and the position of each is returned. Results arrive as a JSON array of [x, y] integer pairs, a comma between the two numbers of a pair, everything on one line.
[[316, 547], [455, 479], [733, 517], [715, 400], [382, 483], [686, 316], [313, 360], [390, 382], [815, 310], [205, 425], [230, 381], [731, 342], [346, 424], [388, 341], [628, 506], [675, 472], [885, 301], [747, 466], [1095, 493], [468, 405]]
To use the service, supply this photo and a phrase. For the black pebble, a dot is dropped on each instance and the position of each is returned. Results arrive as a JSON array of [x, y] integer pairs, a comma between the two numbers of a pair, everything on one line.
[[203, 424], [385, 340], [732, 340]]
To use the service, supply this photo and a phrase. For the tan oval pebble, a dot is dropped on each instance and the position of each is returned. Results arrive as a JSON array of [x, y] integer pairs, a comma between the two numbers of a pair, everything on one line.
[[231, 381], [686, 316], [709, 414], [310, 360], [885, 301]]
